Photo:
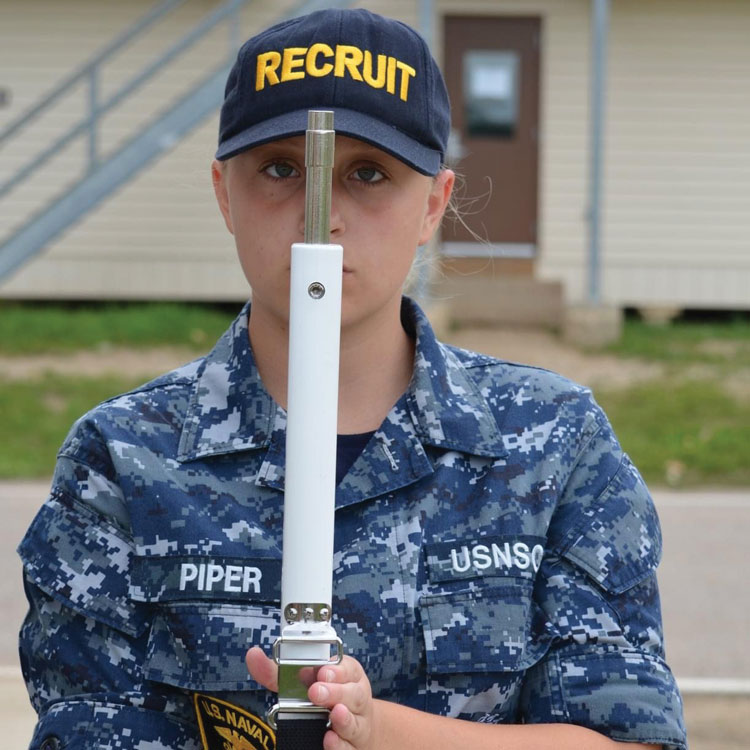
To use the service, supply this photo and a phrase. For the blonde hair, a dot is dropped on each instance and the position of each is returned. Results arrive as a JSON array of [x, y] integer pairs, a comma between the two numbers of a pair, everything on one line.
[[426, 263]]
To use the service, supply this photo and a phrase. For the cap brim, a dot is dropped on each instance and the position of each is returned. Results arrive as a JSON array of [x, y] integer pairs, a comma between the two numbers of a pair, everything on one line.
[[345, 122]]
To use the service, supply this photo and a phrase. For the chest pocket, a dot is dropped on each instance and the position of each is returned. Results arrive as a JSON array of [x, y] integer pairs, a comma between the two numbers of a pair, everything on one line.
[[478, 643], [202, 646], [207, 612]]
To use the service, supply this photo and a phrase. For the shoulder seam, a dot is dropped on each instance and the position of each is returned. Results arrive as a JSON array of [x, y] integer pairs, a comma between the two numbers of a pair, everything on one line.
[[71, 455], [146, 387]]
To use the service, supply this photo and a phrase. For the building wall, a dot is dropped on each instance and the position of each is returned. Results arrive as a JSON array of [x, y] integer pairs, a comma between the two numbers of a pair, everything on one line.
[[677, 159], [563, 139], [677, 162], [160, 235], [677, 211], [676, 206]]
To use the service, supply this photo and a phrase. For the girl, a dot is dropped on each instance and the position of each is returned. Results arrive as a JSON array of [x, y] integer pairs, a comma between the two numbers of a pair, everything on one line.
[[495, 549]]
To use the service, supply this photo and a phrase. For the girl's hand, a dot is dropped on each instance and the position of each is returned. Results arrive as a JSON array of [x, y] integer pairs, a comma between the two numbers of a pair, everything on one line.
[[341, 688]]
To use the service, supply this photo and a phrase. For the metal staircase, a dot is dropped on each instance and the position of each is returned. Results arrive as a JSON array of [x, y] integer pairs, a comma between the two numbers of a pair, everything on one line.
[[104, 172]]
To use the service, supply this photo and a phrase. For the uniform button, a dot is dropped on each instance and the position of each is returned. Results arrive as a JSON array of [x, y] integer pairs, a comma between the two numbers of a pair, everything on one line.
[[51, 743]]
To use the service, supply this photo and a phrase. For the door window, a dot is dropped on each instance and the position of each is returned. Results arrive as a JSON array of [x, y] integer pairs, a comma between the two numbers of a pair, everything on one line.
[[491, 92]]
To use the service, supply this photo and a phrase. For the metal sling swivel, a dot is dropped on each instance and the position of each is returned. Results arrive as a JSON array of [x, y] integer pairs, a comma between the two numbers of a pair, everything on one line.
[[308, 641]]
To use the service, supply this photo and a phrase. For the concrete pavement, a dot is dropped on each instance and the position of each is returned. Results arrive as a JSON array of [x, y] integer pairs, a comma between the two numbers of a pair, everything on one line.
[[705, 595], [705, 603]]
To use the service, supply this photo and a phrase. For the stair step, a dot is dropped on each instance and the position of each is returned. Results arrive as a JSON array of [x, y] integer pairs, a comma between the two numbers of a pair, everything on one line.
[[481, 300]]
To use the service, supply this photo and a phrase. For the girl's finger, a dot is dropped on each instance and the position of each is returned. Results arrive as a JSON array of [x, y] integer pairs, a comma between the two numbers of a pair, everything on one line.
[[349, 670], [262, 669], [353, 695], [331, 741], [349, 727]]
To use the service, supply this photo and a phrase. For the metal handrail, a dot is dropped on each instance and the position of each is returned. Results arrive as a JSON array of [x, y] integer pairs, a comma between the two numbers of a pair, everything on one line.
[[85, 70], [91, 70]]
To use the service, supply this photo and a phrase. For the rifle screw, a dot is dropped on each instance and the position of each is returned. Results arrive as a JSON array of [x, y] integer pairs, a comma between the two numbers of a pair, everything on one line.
[[316, 290]]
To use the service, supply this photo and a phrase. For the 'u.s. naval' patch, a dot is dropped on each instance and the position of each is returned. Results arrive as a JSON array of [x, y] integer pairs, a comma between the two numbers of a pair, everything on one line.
[[227, 727]]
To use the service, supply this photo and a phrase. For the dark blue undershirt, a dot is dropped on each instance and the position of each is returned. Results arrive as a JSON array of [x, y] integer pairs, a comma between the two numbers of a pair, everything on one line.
[[348, 448]]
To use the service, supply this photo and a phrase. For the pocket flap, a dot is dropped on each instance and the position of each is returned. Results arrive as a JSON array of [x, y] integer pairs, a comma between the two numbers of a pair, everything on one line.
[[619, 542], [199, 646], [486, 628], [82, 560]]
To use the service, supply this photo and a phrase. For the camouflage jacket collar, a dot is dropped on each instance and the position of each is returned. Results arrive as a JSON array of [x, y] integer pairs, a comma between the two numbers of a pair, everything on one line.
[[230, 409]]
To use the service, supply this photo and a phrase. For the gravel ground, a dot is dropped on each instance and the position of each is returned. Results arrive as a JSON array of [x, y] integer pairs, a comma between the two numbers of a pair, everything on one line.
[[543, 349], [145, 363], [532, 347], [718, 722], [529, 346]]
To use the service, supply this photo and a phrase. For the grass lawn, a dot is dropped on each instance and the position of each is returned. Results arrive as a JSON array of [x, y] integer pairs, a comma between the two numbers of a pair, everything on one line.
[[37, 415], [50, 328], [684, 343], [682, 434], [684, 429]]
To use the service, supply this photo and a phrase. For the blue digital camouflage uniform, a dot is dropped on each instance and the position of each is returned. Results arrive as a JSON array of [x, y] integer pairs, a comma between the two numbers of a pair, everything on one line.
[[494, 561]]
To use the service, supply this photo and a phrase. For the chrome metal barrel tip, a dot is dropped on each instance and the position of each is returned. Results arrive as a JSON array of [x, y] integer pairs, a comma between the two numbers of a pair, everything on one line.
[[319, 119]]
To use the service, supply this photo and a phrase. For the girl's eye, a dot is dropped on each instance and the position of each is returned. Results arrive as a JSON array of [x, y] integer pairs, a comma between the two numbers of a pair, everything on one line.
[[280, 170], [369, 175]]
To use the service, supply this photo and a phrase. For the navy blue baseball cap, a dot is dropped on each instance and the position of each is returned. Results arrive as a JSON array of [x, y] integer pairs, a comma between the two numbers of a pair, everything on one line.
[[375, 73]]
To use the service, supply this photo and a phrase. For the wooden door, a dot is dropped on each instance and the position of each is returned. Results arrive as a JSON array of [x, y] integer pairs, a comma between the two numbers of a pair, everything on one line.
[[492, 73]]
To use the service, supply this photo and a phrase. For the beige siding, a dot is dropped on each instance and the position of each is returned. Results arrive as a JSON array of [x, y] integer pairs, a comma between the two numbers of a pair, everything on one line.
[[677, 190], [677, 179], [159, 236], [402, 10]]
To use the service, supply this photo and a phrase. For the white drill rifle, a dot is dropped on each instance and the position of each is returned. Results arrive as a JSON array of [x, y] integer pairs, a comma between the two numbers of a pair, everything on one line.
[[308, 641]]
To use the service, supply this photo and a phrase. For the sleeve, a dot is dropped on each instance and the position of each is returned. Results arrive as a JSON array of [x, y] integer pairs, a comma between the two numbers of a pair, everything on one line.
[[83, 642], [597, 588]]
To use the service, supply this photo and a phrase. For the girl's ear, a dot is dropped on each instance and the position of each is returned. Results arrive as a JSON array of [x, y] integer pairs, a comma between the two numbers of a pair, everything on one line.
[[437, 201], [219, 178]]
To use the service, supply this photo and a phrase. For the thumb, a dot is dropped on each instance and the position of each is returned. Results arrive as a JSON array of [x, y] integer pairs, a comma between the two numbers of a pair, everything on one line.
[[262, 669]]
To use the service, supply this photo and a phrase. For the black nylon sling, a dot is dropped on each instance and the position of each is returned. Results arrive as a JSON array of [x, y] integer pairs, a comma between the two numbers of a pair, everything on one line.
[[301, 734]]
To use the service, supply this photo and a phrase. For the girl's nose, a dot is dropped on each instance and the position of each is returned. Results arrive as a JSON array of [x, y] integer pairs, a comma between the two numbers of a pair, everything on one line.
[[337, 219]]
